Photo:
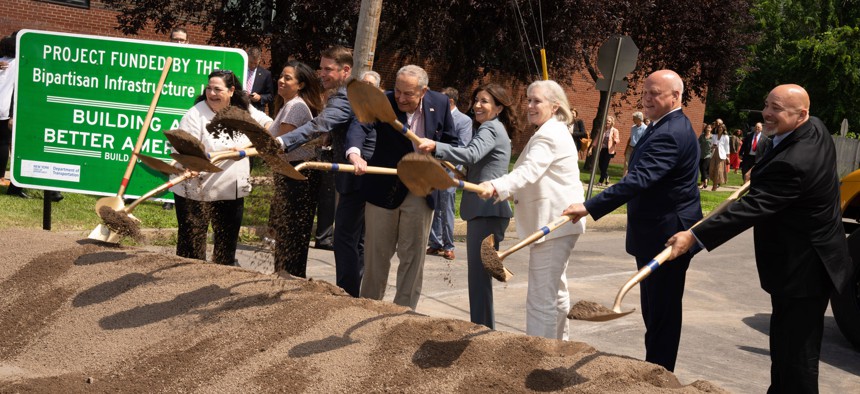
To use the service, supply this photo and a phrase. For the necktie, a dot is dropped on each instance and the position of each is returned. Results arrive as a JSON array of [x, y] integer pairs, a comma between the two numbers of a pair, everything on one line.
[[248, 83], [755, 142]]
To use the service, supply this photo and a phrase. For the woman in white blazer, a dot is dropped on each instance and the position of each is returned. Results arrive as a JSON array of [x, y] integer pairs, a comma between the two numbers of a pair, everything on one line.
[[545, 179]]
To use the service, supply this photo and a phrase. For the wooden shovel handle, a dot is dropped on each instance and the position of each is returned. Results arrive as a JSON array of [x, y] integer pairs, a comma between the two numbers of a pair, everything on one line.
[[552, 226], [337, 167], [658, 260], [144, 128], [417, 141]]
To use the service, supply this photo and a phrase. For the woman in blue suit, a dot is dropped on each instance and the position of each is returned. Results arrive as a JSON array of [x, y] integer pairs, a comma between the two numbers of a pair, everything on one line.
[[486, 157]]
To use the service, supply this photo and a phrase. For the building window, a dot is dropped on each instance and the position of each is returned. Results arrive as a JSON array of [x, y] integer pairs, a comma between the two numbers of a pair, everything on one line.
[[73, 3]]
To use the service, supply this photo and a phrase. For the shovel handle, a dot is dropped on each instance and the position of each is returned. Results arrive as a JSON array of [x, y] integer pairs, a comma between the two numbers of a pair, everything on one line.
[[662, 256], [552, 226], [337, 167], [144, 128], [417, 141]]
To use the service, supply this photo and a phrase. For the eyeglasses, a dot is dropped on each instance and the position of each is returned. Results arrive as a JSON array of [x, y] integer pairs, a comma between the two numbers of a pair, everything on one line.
[[220, 73]]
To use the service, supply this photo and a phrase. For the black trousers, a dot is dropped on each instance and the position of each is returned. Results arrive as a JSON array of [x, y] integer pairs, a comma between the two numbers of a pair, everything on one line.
[[194, 218], [349, 242], [796, 329], [327, 203], [291, 216], [604, 164], [480, 282], [660, 297], [704, 167]]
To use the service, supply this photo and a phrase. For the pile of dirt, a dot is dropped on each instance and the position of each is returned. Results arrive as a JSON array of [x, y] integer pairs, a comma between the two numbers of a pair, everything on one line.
[[82, 316]]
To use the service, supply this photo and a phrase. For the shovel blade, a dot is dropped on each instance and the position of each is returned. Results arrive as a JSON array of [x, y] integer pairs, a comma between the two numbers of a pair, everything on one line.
[[100, 233], [369, 103], [492, 262]]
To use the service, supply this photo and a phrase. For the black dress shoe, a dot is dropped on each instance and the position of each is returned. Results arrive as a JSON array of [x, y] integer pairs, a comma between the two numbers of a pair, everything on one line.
[[324, 246], [18, 193]]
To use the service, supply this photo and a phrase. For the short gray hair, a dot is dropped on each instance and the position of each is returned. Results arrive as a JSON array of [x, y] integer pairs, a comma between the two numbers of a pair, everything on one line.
[[373, 74], [414, 71], [555, 94], [638, 115]]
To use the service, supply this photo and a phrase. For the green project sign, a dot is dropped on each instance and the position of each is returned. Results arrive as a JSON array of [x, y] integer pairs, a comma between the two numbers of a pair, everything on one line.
[[81, 101]]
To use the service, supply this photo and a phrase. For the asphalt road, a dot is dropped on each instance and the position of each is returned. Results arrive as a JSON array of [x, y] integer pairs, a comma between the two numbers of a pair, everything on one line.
[[726, 314]]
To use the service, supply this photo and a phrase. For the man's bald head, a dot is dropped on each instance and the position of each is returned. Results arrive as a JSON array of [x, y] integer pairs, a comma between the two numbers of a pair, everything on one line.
[[785, 109], [662, 93]]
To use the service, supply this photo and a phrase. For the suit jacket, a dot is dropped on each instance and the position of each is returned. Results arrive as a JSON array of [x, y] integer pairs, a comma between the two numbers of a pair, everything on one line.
[[337, 119], [486, 157], [578, 133], [263, 86], [388, 191], [793, 203], [748, 161], [544, 181], [660, 189], [462, 126]]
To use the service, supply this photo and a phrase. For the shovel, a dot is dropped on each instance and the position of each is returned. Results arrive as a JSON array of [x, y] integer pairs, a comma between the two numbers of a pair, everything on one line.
[[337, 167], [422, 174], [121, 222], [267, 147], [116, 202], [492, 260], [159, 165], [590, 311], [370, 105], [185, 143]]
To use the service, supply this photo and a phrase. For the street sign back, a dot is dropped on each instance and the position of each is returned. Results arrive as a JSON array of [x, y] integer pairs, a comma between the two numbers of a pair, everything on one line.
[[81, 101]]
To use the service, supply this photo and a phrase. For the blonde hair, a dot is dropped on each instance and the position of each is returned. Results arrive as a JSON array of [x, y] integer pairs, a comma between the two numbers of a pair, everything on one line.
[[553, 92]]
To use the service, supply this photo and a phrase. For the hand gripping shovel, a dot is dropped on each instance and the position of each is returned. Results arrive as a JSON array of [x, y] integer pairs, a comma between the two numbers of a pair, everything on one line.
[[422, 174], [116, 202], [592, 311], [371, 105], [122, 223]]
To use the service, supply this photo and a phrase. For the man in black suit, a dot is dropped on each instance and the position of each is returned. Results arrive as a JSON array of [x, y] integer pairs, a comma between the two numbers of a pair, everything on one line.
[[662, 197], [395, 219], [751, 147], [259, 84], [800, 247]]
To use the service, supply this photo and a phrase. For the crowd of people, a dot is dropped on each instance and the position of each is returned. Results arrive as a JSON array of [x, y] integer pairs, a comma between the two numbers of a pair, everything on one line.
[[793, 202]]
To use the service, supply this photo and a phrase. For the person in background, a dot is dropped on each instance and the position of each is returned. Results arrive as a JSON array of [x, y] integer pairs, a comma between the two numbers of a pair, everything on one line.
[[636, 132], [218, 197], [398, 221], [371, 77], [259, 84], [734, 150], [579, 134], [607, 151], [486, 157], [662, 198], [706, 150], [752, 145], [441, 242], [800, 250], [291, 214], [178, 35], [720, 148], [544, 179]]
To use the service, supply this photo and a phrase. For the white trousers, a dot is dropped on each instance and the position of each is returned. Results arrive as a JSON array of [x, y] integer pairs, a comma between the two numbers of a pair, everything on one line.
[[548, 301]]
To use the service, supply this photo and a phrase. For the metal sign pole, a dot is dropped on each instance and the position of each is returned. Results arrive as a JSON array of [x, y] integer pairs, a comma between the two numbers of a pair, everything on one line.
[[603, 120]]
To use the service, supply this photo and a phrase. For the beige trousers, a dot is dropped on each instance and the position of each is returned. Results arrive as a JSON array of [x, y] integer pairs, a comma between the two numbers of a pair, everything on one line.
[[547, 300]]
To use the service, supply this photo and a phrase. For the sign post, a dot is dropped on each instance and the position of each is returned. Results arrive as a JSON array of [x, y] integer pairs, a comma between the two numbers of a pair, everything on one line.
[[81, 101]]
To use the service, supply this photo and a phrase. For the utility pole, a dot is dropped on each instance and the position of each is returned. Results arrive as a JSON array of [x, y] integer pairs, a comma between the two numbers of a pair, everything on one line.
[[365, 39]]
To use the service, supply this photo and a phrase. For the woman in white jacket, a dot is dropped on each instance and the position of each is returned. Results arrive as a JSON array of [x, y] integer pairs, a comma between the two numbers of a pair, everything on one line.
[[545, 179], [720, 143]]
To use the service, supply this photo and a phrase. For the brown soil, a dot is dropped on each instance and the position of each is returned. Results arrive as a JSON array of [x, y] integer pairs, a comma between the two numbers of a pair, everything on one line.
[[584, 310], [185, 143], [83, 316], [120, 222], [492, 263]]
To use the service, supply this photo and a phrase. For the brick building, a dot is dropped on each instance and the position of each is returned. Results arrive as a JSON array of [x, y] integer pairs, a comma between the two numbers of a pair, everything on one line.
[[93, 18]]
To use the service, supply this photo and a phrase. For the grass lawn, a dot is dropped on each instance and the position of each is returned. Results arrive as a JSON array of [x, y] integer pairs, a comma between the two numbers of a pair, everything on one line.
[[76, 211]]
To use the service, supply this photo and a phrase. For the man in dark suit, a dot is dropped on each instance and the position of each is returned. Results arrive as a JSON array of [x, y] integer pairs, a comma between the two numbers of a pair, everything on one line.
[[351, 143], [259, 84], [662, 198], [397, 220], [751, 148], [800, 247]]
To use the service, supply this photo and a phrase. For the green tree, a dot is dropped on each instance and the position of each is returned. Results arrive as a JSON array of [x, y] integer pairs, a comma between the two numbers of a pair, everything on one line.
[[810, 43]]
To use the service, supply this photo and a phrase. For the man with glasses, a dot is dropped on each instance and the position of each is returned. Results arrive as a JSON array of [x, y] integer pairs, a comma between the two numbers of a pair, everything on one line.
[[352, 144], [397, 220], [179, 35]]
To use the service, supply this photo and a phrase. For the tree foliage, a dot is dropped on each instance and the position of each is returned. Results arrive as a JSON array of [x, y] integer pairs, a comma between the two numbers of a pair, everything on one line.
[[704, 40], [815, 44]]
